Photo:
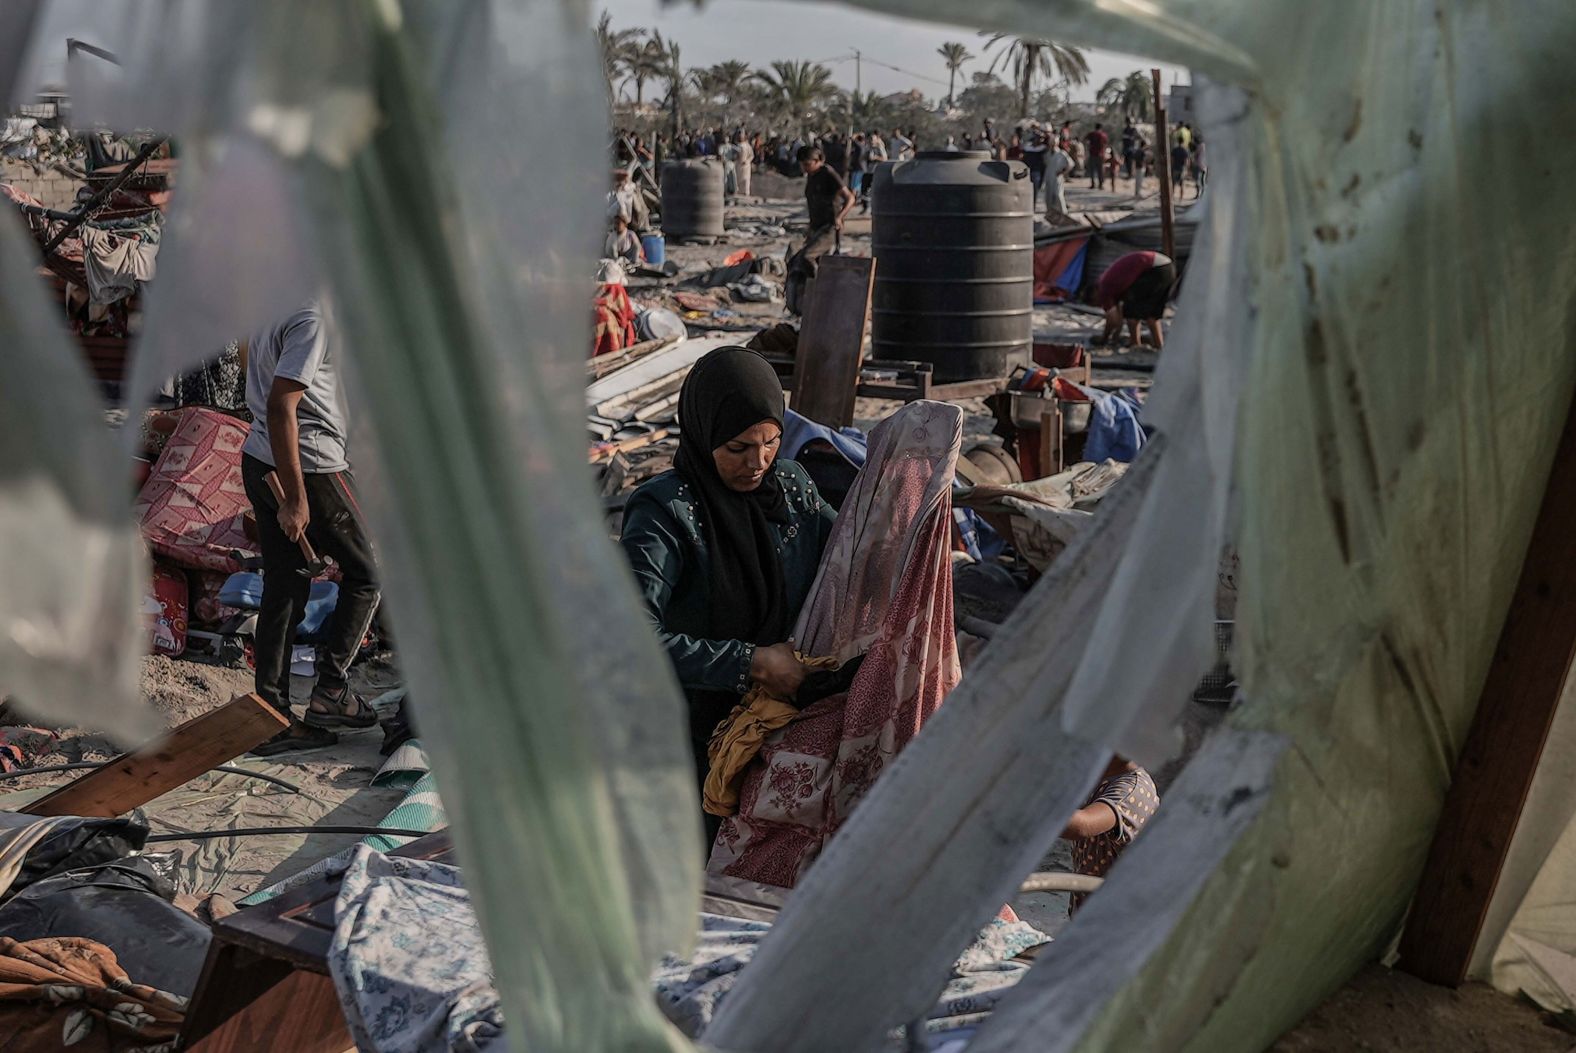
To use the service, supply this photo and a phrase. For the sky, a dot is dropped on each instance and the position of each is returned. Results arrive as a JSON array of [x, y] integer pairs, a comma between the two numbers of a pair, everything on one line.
[[759, 31]]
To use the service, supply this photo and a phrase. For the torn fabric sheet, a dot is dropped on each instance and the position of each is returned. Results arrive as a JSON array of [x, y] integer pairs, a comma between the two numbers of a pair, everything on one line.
[[74, 569], [1407, 379], [458, 291]]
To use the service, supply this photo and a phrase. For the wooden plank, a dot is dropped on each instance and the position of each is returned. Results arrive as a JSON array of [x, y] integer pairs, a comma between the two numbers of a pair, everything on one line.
[[1515, 710], [832, 339], [197, 746], [967, 389]]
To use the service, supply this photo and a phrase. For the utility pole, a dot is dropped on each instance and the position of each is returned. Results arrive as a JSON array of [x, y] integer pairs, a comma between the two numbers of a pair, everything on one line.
[[858, 85], [1163, 171]]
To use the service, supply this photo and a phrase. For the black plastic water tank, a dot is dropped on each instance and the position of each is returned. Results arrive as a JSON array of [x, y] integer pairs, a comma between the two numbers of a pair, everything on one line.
[[953, 238], [692, 199]]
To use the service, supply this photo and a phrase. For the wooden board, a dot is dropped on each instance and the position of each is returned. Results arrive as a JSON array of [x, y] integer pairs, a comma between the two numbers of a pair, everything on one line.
[[832, 339], [133, 779], [1514, 713]]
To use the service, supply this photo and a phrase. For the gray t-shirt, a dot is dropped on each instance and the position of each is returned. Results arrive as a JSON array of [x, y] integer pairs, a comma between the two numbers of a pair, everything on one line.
[[298, 349]]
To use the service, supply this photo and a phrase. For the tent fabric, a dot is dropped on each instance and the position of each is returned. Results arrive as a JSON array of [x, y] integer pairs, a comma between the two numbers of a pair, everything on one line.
[[1058, 269], [1381, 463]]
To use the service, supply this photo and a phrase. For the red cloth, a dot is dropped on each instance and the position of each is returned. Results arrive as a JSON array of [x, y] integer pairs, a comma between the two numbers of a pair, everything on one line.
[[1120, 276], [885, 591], [615, 320], [192, 506]]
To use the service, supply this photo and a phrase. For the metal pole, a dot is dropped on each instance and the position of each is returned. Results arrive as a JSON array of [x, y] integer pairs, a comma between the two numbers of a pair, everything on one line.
[[858, 86], [81, 214], [1163, 172]]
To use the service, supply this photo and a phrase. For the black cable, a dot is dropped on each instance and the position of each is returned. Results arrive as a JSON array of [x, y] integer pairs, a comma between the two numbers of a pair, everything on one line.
[[208, 835], [228, 769]]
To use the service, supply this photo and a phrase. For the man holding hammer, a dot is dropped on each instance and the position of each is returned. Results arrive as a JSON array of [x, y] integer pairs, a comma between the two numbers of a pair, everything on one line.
[[296, 474]]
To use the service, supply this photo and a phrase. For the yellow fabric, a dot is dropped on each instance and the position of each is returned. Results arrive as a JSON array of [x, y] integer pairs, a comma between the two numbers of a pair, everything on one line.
[[739, 738]]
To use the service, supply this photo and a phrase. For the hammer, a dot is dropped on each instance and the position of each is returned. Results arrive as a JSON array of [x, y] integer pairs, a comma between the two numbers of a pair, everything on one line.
[[314, 564]]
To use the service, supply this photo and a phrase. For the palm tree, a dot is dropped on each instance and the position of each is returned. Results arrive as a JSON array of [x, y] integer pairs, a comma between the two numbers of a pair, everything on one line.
[[799, 87], [954, 55], [726, 79], [1030, 56], [616, 46], [648, 61], [858, 110], [1133, 95], [668, 66]]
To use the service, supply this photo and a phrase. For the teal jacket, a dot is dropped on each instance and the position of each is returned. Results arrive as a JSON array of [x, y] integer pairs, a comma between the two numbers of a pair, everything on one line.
[[667, 551]]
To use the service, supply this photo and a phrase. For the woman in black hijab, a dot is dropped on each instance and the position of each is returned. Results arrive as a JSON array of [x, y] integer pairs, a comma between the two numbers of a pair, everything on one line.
[[725, 546]]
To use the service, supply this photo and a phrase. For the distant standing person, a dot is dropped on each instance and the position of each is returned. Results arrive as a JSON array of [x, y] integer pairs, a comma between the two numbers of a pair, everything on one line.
[[1200, 166], [856, 163], [1140, 165], [836, 153], [745, 162], [902, 146], [1034, 157], [875, 154], [1129, 148], [1098, 143], [1179, 162], [298, 435], [1135, 289], [827, 200], [1058, 166]]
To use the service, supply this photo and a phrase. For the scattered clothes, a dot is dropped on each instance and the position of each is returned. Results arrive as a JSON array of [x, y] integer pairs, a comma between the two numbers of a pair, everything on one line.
[[740, 256], [194, 505], [116, 262], [72, 993], [756, 289], [703, 302], [884, 591], [1114, 431], [727, 274], [125, 906]]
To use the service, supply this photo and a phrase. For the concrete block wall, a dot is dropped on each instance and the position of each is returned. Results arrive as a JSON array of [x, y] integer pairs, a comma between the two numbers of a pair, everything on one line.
[[54, 188]]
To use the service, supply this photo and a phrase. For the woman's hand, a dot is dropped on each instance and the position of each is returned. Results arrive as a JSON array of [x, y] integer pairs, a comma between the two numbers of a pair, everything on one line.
[[777, 670]]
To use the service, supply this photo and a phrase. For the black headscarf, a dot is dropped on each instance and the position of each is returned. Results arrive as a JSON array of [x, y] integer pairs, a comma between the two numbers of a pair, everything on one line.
[[727, 392]]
